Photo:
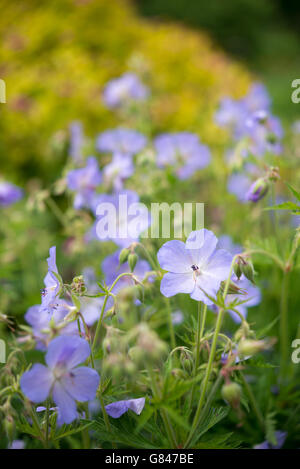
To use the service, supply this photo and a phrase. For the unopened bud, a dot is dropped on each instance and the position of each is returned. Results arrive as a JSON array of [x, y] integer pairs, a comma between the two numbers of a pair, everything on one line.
[[258, 190], [231, 393], [186, 362], [251, 347], [248, 271], [124, 255], [132, 260]]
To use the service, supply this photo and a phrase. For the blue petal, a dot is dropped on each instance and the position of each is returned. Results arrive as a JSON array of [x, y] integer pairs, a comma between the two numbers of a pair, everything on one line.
[[36, 383], [66, 404], [172, 284], [67, 350], [82, 383]]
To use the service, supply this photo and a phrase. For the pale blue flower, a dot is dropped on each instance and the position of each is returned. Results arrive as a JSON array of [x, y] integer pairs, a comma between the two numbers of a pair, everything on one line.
[[84, 181], [9, 194], [124, 90], [183, 151], [196, 271], [62, 379], [120, 140]]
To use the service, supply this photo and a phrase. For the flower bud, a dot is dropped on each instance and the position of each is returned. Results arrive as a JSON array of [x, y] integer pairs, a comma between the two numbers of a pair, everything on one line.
[[186, 362], [124, 255], [78, 285], [242, 332], [251, 347], [258, 190], [237, 268], [136, 354], [132, 260], [179, 374], [231, 393], [248, 270]]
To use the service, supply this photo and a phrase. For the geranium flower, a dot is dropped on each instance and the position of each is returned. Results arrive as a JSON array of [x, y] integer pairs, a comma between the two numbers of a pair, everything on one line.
[[120, 140], [52, 286], [183, 151], [61, 378], [9, 194], [197, 270], [84, 182], [40, 321], [76, 141], [120, 168], [116, 409], [124, 89], [123, 219]]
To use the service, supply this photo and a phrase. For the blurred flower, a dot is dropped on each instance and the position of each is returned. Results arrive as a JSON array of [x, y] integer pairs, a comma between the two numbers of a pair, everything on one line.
[[177, 318], [280, 437], [52, 285], [9, 194], [76, 141], [40, 321], [195, 271], [257, 98], [225, 242], [17, 444], [123, 90], [238, 184], [112, 269], [61, 378], [265, 132], [232, 114], [116, 409], [120, 168], [123, 218], [121, 140], [183, 151], [84, 182]]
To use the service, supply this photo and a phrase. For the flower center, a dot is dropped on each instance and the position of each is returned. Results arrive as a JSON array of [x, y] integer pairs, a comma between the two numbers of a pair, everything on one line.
[[194, 267]]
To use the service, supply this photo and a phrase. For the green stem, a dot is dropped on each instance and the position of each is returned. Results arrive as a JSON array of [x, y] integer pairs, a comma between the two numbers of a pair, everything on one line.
[[211, 358], [99, 324], [47, 424], [253, 401], [171, 327], [57, 211], [200, 327], [284, 331], [206, 378], [168, 426], [268, 254]]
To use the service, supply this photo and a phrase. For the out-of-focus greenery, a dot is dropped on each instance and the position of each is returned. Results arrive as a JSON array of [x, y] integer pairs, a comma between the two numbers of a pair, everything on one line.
[[264, 34], [56, 56]]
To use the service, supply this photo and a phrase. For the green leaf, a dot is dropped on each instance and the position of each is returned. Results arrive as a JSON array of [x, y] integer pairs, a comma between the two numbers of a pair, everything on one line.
[[296, 194], [67, 430], [285, 206]]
